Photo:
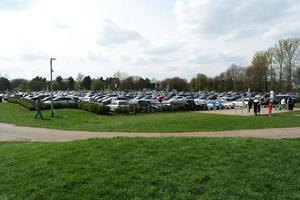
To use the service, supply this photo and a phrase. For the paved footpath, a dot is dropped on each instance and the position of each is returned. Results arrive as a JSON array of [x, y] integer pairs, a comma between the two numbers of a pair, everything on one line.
[[10, 132]]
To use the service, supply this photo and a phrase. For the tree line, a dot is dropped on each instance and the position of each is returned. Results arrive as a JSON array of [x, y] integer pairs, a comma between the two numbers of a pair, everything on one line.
[[276, 68]]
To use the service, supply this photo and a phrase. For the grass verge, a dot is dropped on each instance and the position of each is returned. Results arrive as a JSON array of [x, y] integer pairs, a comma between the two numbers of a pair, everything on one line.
[[68, 119], [161, 168]]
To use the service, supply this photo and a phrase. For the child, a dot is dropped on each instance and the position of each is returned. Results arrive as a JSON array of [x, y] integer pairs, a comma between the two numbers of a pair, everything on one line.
[[270, 106]]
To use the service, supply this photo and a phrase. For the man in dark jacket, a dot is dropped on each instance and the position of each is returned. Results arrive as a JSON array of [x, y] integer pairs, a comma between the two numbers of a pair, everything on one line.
[[255, 106], [290, 103], [250, 103], [38, 108]]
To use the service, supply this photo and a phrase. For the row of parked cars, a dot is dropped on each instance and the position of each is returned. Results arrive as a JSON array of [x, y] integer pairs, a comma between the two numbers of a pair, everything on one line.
[[154, 100]]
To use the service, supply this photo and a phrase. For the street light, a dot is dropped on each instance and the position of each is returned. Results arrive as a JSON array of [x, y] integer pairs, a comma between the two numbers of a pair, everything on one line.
[[51, 95]]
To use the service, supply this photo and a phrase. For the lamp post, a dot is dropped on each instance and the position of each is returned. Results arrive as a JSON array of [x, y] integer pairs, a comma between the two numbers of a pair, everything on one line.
[[51, 95]]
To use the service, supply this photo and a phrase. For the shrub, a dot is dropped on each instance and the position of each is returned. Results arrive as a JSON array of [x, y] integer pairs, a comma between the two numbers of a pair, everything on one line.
[[73, 105], [28, 104], [122, 110], [93, 107]]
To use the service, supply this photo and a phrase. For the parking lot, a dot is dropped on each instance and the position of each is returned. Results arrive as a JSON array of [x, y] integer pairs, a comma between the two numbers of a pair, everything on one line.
[[232, 103]]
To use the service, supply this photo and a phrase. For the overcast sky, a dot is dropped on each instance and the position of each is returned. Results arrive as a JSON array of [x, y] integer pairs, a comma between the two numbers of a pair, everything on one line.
[[149, 38]]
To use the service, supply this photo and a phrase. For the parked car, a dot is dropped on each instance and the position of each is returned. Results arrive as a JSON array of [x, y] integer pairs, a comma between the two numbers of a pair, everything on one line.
[[215, 104], [227, 104], [240, 103], [200, 104], [118, 104], [61, 100]]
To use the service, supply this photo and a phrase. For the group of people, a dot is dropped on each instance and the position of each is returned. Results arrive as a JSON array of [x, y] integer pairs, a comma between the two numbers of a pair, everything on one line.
[[256, 104], [285, 103]]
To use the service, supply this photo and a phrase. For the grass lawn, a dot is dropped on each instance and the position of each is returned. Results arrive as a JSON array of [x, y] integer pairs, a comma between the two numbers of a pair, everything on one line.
[[161, 168], [68, 119]]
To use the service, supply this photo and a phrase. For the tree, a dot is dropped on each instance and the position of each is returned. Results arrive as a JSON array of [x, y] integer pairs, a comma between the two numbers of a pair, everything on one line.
[[292, 53], [97, 84], [19, 84], [272, 69], [235, 77], [59, 82], [257, 73], [120, 75], [4, 84], [56, 86], [199, 82], [38, 84], [79, 80], [86, 83], [279, 60], [174, 83], [128, 84], [71, 83]]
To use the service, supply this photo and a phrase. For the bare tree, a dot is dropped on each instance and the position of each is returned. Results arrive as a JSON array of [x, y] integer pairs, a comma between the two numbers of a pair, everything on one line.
[[79, 80], [291, 52], [279, 60], [120, 75], [271, 65]]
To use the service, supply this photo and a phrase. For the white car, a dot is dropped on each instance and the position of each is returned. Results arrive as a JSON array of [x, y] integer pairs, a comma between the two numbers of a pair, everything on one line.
[[227, 104], [61, 100], [118, 104], [240, 103]]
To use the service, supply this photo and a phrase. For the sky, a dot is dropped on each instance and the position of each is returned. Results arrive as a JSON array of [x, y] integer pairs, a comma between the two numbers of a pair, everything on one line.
[[148, 38]]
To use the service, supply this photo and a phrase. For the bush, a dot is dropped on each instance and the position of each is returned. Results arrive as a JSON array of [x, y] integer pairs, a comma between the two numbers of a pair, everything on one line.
[[28, 104], [122, 110], [73, 105], [94, 108]]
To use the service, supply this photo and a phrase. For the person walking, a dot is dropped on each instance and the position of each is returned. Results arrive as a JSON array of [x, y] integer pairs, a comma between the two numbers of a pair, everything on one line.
[[290, 103], [282, 103], [250, 103], [255, 106], [270, 107], [259, 106], [38, 108]]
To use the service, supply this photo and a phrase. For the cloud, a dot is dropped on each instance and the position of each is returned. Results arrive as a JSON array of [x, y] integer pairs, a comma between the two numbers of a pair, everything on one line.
[[11, 5], [92, 56], [33, 55], [210, 57], [164, 49], [230, 18], [283, 31], [61, 25], [112, 34], [125, 58]]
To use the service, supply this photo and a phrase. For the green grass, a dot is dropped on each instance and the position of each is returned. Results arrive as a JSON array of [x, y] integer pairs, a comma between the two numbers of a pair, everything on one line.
[[161, 168], [68, 119]]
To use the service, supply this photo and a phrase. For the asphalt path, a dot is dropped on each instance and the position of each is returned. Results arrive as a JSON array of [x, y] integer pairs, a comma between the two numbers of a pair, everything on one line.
[[9, 132]]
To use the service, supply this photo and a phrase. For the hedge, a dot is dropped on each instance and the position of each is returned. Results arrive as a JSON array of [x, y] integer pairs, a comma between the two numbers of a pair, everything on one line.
[[28, 104], [102, 109], [94, 108], [89, 107]]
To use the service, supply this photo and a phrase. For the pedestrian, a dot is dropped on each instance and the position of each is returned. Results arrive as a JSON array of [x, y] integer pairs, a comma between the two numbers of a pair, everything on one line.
[[38, 108], [259, 106], [255, 106], [282, 103], [270, 106], [290, 103], [250, 103]]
